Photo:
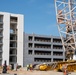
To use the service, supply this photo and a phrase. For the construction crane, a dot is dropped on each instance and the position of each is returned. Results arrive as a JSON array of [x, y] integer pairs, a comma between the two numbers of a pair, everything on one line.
[[66, 22]]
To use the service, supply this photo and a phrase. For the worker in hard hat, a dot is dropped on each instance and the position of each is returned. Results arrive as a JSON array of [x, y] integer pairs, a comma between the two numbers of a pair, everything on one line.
[[31, 67]]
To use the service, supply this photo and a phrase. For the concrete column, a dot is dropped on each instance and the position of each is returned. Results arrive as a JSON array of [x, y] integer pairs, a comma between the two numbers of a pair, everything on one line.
[[6, 38], [51, 49], [20, 29]]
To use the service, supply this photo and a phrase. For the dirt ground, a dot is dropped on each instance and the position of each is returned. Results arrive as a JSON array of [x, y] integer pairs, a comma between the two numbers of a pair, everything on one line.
[[38, 73], [34, 72]]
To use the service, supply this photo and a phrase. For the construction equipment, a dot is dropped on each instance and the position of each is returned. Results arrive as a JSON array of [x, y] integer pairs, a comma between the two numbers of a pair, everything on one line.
[[42, 67], [66, 22], [57, 66]]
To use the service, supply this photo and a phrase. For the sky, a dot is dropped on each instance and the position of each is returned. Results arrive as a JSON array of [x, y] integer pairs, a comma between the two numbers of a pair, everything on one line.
[[39, 15]]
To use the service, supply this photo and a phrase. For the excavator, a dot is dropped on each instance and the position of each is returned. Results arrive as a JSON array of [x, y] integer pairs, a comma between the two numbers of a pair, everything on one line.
[[66, 22]]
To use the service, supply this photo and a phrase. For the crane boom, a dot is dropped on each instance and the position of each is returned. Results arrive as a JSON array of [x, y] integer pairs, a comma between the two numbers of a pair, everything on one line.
[[66, 22]]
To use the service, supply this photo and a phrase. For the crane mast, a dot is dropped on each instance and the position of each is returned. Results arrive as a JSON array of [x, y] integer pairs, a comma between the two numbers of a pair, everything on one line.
[[66, 22]]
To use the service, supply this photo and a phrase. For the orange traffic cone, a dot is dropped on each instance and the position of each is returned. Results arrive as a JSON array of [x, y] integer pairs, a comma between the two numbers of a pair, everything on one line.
[[65, 73]]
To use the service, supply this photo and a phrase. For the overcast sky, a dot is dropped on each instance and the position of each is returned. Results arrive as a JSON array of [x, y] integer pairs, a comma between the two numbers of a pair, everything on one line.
[[39, 15]]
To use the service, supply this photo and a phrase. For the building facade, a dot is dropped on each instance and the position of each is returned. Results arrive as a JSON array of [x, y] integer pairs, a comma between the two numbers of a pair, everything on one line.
[[42, 49], [11, 38]]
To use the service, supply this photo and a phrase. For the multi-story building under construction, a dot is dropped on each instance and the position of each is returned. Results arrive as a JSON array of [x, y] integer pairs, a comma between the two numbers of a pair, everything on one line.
[[11, 38], [42, 49]]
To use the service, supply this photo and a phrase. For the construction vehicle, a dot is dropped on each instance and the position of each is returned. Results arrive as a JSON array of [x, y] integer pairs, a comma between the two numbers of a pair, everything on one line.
[[58, 66], [66, 22], [42, 67]]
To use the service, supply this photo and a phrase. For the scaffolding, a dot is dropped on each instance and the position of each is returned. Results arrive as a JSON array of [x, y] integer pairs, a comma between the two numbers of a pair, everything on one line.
[[66, 22]]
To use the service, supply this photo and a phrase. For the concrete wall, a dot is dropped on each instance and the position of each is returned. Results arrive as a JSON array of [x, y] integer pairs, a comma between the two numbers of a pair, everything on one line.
[[29, 59]]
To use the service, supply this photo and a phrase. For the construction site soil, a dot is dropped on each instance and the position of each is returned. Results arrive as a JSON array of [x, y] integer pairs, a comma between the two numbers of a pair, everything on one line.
[[36, 73]]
